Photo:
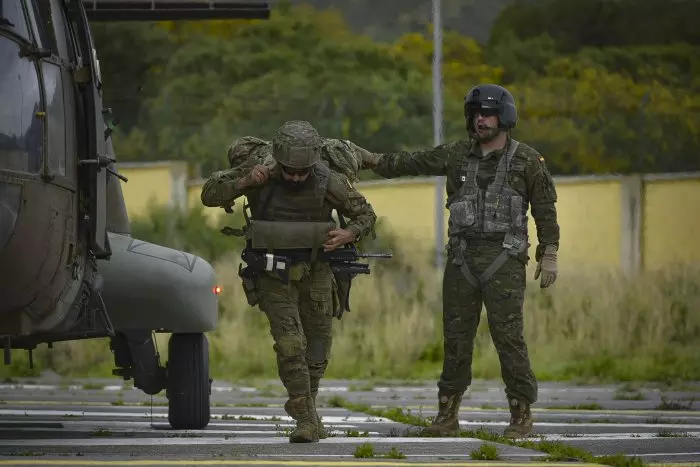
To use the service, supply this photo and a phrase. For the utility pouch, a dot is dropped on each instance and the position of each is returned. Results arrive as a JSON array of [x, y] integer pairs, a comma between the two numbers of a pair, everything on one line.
[[248, 277], [286, 235], [343, 281]]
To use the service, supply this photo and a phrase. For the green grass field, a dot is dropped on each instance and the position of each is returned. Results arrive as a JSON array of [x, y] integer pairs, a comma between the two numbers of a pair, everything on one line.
[[590, 326]]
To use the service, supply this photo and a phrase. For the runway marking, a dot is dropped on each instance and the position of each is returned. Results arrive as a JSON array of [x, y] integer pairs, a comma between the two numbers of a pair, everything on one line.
[[77, 424], [372, 461], [430, 409], [118, 413], [146, 424], [609, 436], [109, 441], [93, 430], [659, 426], [342, 422]]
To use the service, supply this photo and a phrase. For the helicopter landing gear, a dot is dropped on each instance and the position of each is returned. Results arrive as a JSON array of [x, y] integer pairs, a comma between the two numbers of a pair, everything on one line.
[[185, 377], [188, 385]]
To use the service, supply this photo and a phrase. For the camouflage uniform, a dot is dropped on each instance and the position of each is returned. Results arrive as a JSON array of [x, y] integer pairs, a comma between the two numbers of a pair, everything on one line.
[[300, 312], [488, 197]]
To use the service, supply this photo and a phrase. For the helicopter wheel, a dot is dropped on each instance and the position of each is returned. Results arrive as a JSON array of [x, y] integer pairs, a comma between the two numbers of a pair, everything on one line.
[[188, 386]]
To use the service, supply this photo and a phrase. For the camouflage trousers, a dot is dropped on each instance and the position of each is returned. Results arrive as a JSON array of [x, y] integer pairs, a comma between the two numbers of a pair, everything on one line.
[[300, 314], [502, 295]]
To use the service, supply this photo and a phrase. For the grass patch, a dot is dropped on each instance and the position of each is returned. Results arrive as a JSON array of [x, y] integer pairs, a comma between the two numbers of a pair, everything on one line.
[[393, 453], [93, 386], [364, 451], [486, 452], [674, 405], [672, 434], [592, 406], [590, 326], [393, 413], [555, 450], [623, 396]]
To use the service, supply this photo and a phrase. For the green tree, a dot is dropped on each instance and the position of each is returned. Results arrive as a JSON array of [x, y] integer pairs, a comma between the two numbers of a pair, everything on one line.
[[575, 24]]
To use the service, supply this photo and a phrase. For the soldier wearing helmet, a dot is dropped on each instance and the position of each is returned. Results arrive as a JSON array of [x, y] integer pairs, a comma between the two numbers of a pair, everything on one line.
[[491, 180], [291, 198]]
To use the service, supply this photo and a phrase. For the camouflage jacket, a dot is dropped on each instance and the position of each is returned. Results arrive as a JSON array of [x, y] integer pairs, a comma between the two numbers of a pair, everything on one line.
[[223, 187], [529, 176]]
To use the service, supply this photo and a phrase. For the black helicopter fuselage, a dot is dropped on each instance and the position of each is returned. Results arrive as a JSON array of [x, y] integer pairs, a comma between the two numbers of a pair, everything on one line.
[[60, 197], [51, 227]]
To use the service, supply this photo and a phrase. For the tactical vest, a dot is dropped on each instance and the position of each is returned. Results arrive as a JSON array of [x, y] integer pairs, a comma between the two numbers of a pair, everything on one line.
[[281, 219], [498, 209]]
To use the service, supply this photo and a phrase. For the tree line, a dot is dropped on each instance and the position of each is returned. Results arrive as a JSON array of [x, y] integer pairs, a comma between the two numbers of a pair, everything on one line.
[[623, 102]]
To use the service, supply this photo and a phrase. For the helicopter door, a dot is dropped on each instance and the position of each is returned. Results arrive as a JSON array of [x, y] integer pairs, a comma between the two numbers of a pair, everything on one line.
[[82, 87], [96, 160]]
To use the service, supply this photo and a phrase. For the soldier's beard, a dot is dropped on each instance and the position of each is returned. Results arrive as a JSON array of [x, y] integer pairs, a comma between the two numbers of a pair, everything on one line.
[[293, 186], [486, 134]]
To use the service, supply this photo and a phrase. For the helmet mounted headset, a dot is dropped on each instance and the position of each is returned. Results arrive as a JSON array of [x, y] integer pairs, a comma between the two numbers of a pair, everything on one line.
[[490, 100]]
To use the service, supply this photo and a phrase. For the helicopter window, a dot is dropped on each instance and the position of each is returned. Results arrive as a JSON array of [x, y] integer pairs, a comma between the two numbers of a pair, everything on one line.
[[21, 129], [12, 17], [53, 28], [42, 22], [60, 24], [53, 87]]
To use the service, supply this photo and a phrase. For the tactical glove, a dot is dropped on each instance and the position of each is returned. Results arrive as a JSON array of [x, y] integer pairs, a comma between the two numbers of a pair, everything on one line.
[[547, 267], [369, 159]]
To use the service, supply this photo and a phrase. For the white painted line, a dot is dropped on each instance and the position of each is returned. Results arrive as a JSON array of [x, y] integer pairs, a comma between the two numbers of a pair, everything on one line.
[[78, 413], [660, 427], [664, 454], [41, 387], [233, 440], [594, 414], [145, 426], [202, 433], [436, 455], [114, 388], [609, 436], [402, 389]]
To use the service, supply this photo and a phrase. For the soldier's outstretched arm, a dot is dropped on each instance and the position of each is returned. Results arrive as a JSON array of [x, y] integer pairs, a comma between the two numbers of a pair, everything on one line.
[[225, 186], [542, 197], [397, 164], [350, 203]]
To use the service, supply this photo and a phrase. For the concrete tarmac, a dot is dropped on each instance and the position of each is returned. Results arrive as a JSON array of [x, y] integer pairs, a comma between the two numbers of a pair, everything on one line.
[[46, 421]]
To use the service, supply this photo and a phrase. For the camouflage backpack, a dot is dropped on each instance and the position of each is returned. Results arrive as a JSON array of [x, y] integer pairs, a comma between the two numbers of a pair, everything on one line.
[[342, 156]]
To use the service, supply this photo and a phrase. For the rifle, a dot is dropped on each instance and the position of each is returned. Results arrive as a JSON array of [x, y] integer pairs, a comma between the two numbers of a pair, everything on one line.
[[342, 260]]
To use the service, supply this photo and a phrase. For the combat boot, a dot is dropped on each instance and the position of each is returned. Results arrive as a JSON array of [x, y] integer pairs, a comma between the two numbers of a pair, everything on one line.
[[520, 419], [301, 408], [446, 423], [322, 433]]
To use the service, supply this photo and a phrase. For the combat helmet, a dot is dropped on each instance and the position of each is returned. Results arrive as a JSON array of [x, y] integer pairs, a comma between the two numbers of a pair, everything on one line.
[[491, 96], [296, 145]]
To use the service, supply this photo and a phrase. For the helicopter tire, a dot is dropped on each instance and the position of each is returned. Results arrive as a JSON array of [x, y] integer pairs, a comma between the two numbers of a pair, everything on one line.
[[188, 385]]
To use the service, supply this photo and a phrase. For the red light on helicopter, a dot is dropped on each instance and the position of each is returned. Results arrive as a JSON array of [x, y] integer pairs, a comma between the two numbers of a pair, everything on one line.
[[217, 290]]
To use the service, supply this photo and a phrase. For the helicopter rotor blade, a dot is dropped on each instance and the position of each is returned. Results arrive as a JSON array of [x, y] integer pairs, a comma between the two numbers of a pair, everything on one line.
[[173, 10]]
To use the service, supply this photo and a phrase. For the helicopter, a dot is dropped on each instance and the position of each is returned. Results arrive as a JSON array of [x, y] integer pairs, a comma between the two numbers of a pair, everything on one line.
[[69, 267]]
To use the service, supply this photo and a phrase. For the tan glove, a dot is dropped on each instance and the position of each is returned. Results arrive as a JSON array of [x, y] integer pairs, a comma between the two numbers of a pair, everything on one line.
[[547, 267], [369, 159]]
